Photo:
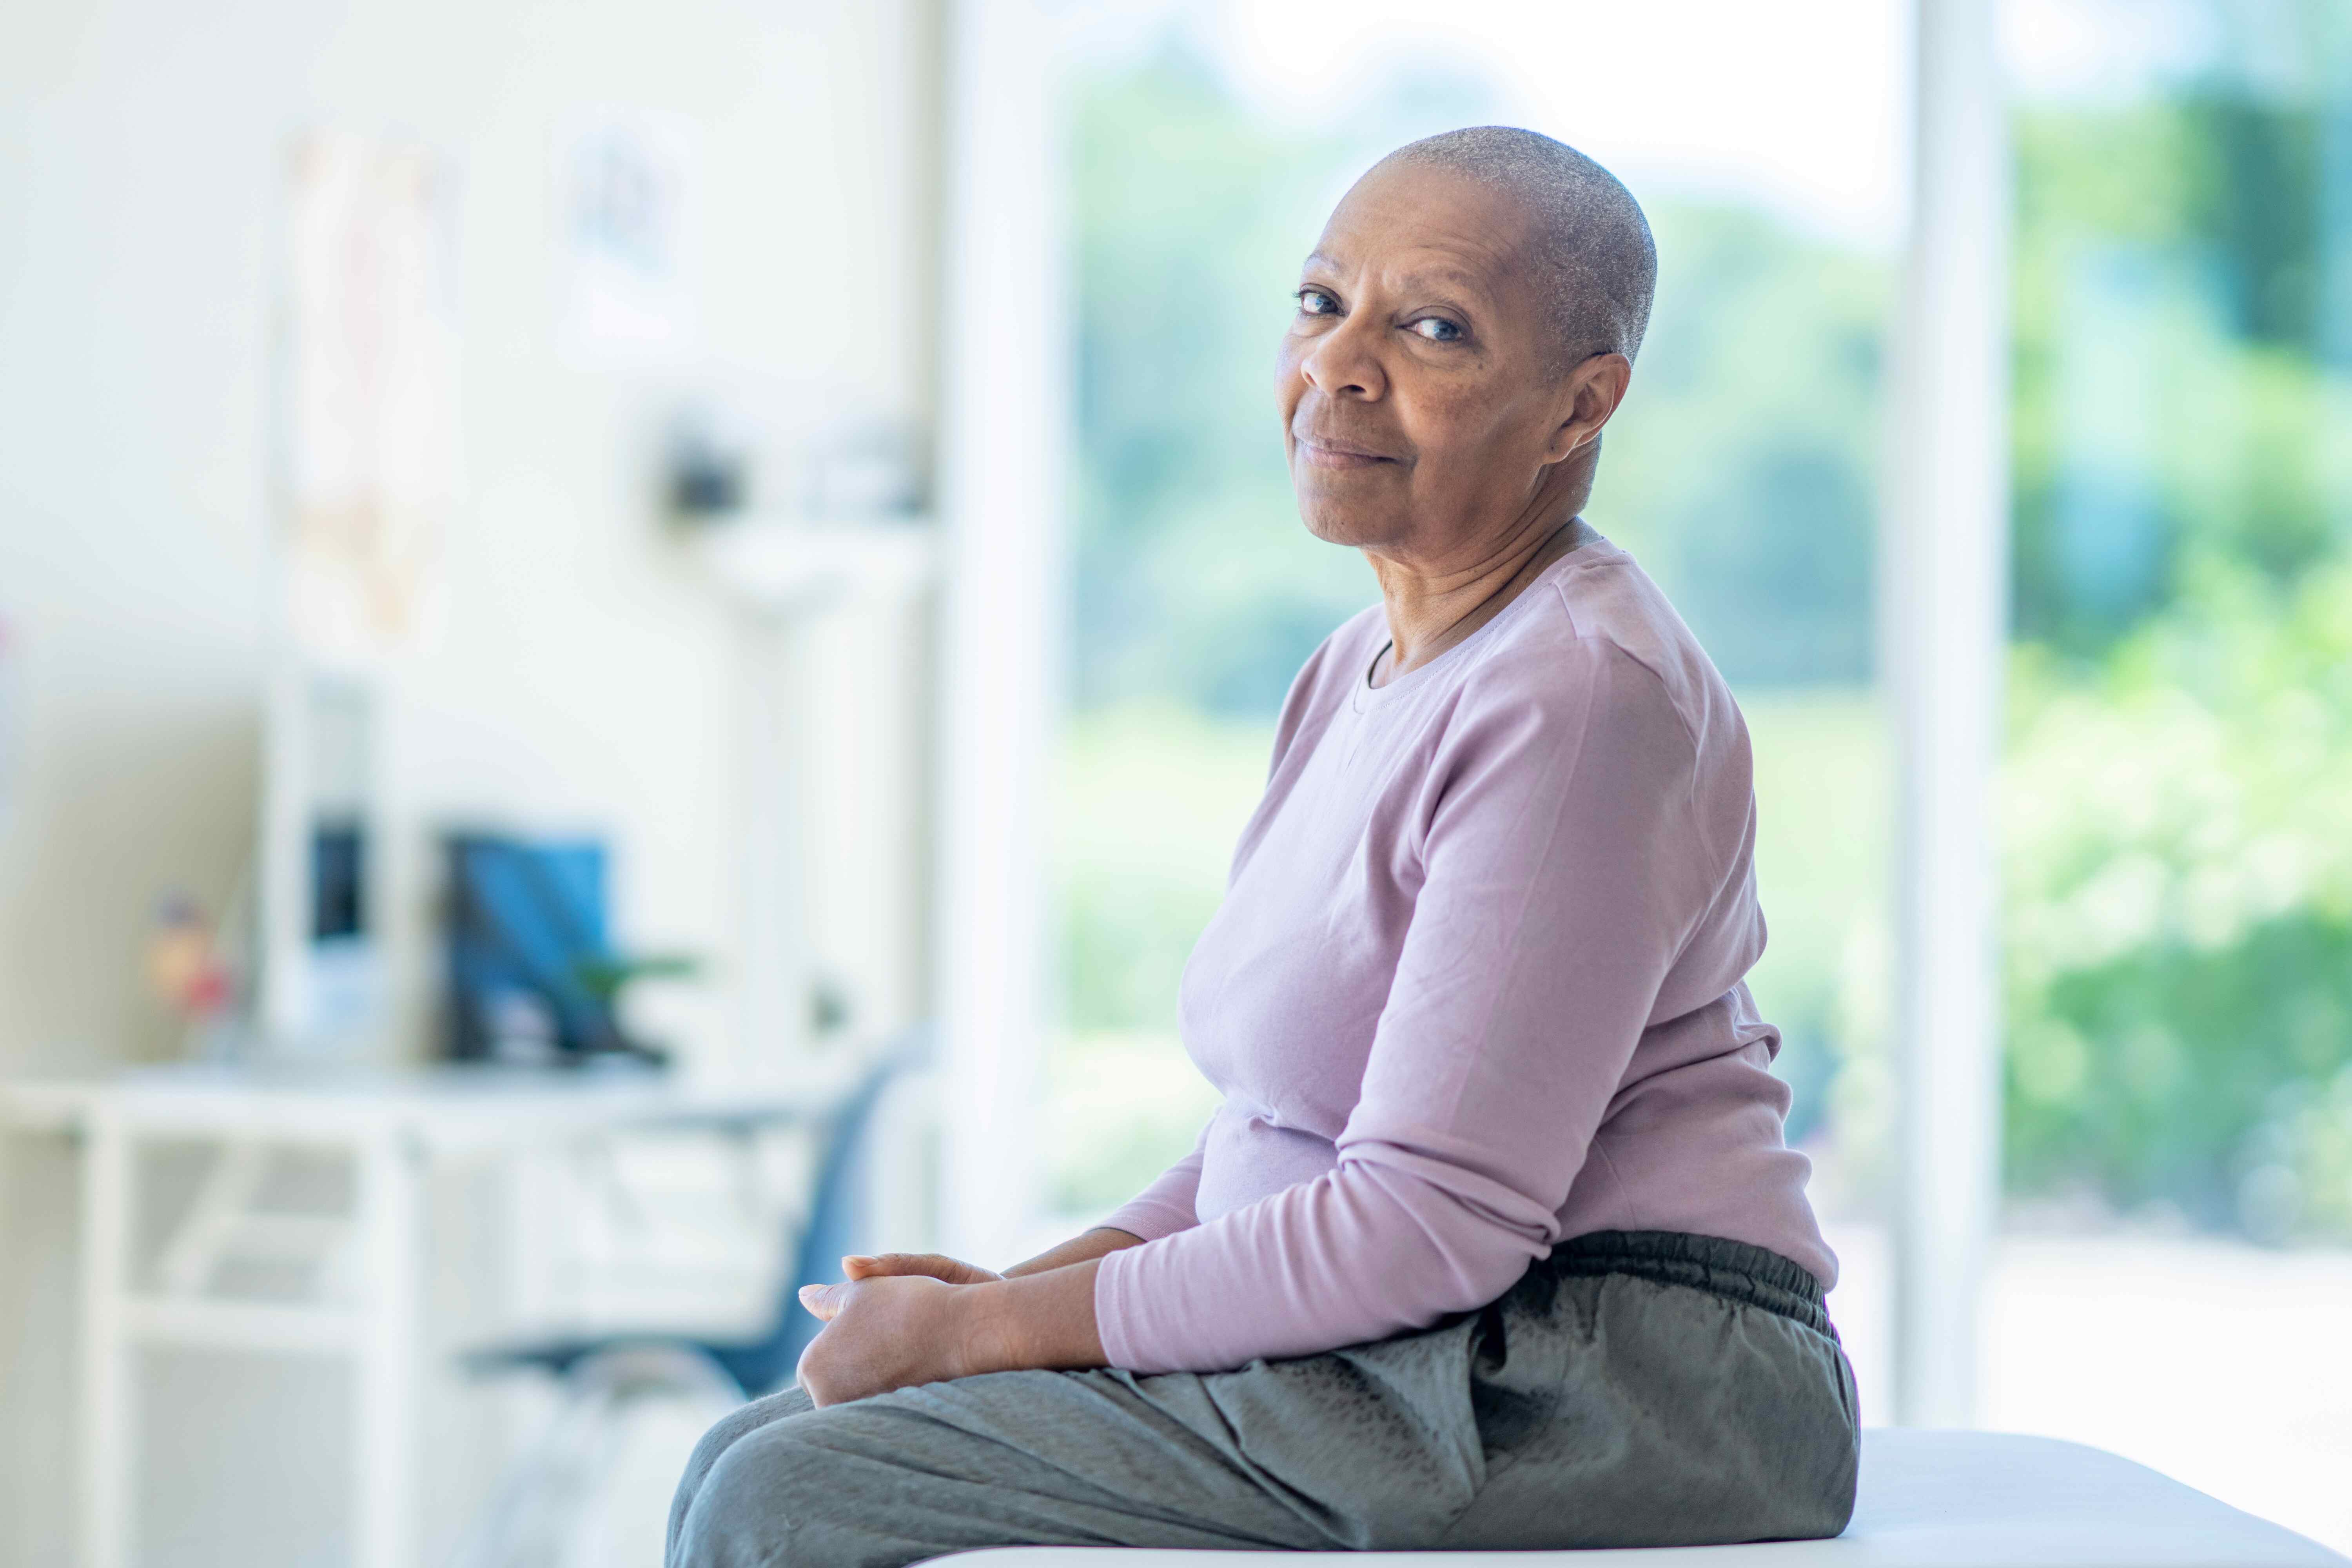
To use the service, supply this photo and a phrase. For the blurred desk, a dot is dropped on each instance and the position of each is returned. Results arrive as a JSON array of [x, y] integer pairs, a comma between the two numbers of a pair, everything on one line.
[[392, 1125]]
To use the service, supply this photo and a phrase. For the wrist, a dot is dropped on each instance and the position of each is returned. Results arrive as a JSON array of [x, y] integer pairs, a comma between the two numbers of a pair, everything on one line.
[[988, 1333]]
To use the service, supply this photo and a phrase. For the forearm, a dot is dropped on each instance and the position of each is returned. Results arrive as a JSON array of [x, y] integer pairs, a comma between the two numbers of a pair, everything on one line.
[[1365, 1250], [1082, 1248], [1040, 1319]]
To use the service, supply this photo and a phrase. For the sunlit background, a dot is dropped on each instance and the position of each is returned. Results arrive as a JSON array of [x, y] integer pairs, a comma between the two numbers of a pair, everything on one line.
[[807, 473]]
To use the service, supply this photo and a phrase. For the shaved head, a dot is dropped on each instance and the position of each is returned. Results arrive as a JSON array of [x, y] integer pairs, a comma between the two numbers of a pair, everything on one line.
[[1592, 247], [1467, 324]]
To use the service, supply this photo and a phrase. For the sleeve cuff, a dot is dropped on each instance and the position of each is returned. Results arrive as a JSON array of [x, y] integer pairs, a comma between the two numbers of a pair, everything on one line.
[[1110, 1319]]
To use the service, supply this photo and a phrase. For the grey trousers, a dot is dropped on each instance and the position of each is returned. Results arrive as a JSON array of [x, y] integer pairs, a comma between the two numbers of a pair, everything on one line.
[[1635, 1389]]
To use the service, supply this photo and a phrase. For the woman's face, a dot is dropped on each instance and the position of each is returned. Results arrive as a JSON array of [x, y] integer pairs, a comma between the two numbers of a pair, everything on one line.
[[1422, 405]]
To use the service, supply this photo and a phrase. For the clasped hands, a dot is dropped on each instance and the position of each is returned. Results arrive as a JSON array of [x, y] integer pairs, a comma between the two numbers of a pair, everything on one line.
[[898, 1320], [908, 1318]]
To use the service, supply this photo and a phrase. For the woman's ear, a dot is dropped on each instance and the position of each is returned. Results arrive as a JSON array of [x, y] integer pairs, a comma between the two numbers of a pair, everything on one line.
[[1592, 391]]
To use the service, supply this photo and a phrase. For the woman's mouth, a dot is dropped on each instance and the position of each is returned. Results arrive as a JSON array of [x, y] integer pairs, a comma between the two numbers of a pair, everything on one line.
[[1329, 454]]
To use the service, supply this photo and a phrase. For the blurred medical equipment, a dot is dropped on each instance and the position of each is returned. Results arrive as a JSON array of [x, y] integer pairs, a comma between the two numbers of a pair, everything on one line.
[[321, 988], [533, 979]]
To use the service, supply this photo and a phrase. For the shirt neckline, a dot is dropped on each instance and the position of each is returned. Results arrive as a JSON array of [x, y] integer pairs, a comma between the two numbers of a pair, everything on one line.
[[1364, 696]]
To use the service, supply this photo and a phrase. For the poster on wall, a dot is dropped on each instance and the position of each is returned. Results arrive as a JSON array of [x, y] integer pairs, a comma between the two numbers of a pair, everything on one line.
[[624, 194], [371, 413]]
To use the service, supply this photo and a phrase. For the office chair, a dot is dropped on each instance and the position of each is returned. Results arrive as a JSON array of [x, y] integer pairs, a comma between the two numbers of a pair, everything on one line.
[[599, 1377]]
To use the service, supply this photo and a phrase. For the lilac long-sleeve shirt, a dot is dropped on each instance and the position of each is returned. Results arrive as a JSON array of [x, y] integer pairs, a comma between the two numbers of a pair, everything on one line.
[[1476, 986]]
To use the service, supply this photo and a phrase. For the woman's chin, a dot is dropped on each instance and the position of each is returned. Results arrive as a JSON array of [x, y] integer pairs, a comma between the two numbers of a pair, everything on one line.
[[1336, 524]]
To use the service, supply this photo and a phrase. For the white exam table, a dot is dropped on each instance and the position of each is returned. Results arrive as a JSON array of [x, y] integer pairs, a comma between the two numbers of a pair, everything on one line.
[[1929, 1500]]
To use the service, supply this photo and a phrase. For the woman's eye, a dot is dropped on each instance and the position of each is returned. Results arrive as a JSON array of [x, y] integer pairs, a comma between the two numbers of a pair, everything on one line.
[[1436, 329], [1315, 303]]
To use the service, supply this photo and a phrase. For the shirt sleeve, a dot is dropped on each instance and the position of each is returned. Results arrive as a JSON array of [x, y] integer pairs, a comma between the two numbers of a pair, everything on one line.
[[1167, 1205], [1562, 874]]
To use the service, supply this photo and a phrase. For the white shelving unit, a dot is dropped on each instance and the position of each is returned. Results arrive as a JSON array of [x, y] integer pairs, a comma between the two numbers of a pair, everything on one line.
[[368, 1263], [790, 566]]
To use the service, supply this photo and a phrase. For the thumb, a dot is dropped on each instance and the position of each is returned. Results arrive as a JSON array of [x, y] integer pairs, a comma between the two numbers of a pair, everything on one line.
[[930, 1265], [823, 1302]]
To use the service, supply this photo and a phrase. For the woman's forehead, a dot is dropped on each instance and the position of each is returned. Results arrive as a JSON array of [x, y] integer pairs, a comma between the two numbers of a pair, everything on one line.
[[1473, 267], [1427, 225]]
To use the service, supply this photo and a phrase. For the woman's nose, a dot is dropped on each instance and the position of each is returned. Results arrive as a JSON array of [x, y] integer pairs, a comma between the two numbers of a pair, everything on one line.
[[1341, 363]]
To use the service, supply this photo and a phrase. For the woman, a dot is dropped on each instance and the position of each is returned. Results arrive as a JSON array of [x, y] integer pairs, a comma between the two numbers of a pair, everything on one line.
[[1494, 1241]]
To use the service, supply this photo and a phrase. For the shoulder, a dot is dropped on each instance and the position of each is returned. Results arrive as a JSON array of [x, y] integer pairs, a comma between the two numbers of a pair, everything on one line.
[[1598, 643], [1598, 691], [1563, 705]]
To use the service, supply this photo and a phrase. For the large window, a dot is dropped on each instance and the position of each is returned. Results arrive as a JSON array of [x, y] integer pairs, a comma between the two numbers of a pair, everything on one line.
[[2177, 785], [2176, 781], [1743, 473], [2180, 853]]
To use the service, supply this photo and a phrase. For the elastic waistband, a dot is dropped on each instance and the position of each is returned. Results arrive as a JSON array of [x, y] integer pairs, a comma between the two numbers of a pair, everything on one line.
[[1732, 1269]]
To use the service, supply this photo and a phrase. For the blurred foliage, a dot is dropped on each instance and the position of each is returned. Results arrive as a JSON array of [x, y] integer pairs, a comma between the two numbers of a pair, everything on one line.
[[2174, 406], [2178, 867], [2178, 860], [1134, 899], [1744, 468], [2178, 910]]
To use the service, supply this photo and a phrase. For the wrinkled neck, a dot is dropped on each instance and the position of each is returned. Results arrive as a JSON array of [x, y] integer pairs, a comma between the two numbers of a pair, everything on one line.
[[1430, 611]]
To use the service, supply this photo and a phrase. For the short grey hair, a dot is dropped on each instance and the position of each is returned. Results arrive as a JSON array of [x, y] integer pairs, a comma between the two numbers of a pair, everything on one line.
[[1600, 265]]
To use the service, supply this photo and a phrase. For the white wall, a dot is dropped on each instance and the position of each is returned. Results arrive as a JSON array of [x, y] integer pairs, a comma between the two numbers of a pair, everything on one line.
[[583, 677]]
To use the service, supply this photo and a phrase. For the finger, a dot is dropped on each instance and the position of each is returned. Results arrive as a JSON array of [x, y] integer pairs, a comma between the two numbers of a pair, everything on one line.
[[823, 1302], [930, 1265]]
